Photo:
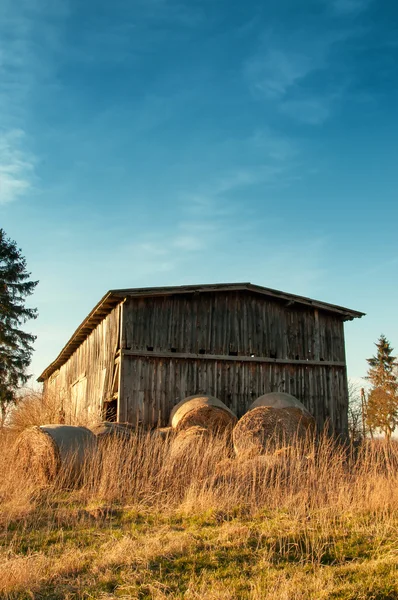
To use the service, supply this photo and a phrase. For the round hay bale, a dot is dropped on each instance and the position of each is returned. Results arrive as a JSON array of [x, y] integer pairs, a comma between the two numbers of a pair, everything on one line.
[[110, 430], [162, 433], [184, 443], [280, 400], [305, 418], [202, 411], [264, 426], [42, 451]]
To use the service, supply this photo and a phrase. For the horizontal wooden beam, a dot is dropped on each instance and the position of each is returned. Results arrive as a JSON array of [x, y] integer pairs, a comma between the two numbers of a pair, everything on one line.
[[221, 357]]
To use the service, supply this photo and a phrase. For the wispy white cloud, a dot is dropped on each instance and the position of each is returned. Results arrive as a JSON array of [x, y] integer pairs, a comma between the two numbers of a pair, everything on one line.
[[199, 252], [135, 27], [210, 212], [240, 177], [275, 72], [213, 201], [191, 241], [176, 12], [346, 7], [311, 110], [276, 147], [26, 38], [263, 158], [16, 166], [290, 72]]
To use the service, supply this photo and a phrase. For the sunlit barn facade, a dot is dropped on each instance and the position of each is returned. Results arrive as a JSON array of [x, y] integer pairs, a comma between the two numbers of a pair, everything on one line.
[[140, 351]]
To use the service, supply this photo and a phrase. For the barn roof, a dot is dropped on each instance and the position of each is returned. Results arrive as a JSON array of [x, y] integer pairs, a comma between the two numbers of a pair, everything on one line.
[[114, 297]]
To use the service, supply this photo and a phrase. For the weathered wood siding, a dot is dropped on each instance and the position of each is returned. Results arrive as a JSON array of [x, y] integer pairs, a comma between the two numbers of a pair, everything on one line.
[[239, 322], [84, 382], [152, 386], [230, 325]]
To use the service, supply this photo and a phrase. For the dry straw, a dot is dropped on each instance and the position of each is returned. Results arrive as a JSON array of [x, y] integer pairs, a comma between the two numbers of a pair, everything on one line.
[[41, 451], [260, 429], [34, 408], [313, 474], [212, 418], [202, 411], [185, 442], [280, 400], [104, 431], [37, 455]]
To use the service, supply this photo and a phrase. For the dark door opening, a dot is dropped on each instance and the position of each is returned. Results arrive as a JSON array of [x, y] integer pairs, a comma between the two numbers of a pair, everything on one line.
[[110, 411]]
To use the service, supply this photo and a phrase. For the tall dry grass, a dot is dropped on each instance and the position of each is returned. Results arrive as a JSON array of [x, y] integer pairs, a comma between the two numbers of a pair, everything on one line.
[[37, 408], [294, 506], [33, 408], [312, 475]]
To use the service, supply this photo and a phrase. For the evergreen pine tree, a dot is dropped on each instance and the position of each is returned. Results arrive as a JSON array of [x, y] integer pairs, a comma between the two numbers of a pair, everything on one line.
[[16, 346], [382, 405], [382, 367]]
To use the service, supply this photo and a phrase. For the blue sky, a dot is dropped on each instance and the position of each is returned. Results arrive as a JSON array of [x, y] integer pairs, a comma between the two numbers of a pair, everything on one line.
[[165, 142]]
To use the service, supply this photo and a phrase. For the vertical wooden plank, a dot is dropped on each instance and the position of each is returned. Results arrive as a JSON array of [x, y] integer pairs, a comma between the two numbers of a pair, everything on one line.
[[124, 376]]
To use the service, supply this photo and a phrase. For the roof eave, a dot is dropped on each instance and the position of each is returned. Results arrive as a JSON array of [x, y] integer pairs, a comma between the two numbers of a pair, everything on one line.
[[101, 309], [347, 313], [343, 311]]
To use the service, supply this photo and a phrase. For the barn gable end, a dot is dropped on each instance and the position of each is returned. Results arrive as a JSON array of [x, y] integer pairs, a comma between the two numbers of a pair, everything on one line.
[[85, 383]]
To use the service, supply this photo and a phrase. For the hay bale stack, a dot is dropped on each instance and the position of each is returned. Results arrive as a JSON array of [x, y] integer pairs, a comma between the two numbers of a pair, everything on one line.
[[280, 400], [202, 411], [184, 443], [265, 427], [110, 430], [42, 451]]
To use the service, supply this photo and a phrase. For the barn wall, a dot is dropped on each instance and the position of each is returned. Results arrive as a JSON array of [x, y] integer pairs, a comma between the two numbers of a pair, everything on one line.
[[237, 328], [230, 325], [152, 386], [234, 322], [84, 382]]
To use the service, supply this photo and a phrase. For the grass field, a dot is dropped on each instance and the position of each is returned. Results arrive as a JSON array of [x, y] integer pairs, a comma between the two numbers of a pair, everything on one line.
[[314, 522]]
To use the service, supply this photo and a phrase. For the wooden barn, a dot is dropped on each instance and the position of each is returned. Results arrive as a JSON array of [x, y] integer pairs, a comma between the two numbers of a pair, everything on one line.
[[140, 351]]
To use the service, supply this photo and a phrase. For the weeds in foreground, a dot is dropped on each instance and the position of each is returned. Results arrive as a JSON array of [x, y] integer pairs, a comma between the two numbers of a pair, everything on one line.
[[34, 408], [315, 521]]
